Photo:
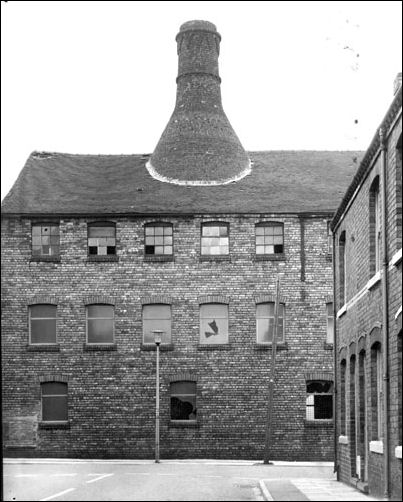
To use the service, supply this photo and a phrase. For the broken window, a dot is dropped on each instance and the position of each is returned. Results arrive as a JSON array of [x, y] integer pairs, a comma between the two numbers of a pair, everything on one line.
[[158, 239], [100, 323], [215, 239], [156, 317], [54, 402], [265, 322], [330, 327], [319, 400], [213, 323], [269, 238], [183, 400], [45, 240], [42, 323], [101, 239]]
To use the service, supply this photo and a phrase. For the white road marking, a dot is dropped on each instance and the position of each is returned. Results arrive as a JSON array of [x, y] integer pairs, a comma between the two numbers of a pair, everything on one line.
[[58, 494], [265, 491], [100, 477]]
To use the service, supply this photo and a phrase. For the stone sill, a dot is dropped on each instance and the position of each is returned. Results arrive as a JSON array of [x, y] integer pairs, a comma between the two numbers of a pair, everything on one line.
[[342, 311], [373, 281], [398, 452], [158, 258], [343, 440], [164, 347], [54, 425], [43, 347], [319, 423], [102, 258], [376, 446], [362, 486], [91, 347], [270, 257], [51, 259], [184, 424], [328, 346], [269, 346], [214, 346], [396, 258], [215, 258]]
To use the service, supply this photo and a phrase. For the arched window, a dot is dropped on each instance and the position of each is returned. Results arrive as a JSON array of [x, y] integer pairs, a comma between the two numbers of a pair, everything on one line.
[[54, 402], [269, 238], [342, 268], [100, 324], [101, 238], [42, 324], [45, 239], [319, 400], [213, 323], [265, 322], [156, 317], [376, 391], [215, 239], [343, 369], [158, 239], [183, 400], [374, 227]]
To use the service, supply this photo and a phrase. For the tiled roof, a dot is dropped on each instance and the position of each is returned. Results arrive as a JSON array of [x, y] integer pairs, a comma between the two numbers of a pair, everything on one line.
[[280, 182]]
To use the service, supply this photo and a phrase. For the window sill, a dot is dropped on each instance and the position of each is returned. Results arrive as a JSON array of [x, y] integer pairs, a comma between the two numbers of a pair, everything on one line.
[[43, 347], [323, 422], [214, 346], [184, 424], [158, 258], [215, 258], [373, 281], [342, 311], [269, 346], [270, 257], [398, 452], [376, 447], [54, 425], [102, 258], [51, 259], [396, 260], [91, 347], [164, 347], [328, 346], [343, 440]]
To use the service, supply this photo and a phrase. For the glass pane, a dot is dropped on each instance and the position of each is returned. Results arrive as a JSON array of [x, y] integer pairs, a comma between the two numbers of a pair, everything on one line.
[[110, 241], [268, 239], [262, 326], [158, 230], [214, 330], [224, 249], [215, 250], [102, 241], [51, 388], [210, 231], [150, 250], [43, 311], [45, 230], [224, 231], [111, 250], [43, 331], [159, 249], [150, 240], [269, 249], [310, 400], [223, 241], [210, 310], [259, 230], [168, 230], [100, 311], [54, 239], [45, 240], [101, 231], [278, 239], [157, 311], [54, 250], [310, 412], [93, 250], [36, 250], [183, 408], [259, 249], [54, 408], [168, 239], [183, 387], [329, 308], [149, 230], [100, 331], [150, 325], [93, 242], [54, 230], [36, 230], [46, 250], [159, 240], [168, 250], [269, 230], [36, 240], [265, 310], [278, 248], [323, 407], [259, 240], [102, 250]]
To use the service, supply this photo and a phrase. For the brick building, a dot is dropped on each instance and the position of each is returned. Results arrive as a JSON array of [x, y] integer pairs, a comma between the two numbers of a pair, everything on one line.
[[368, 289], [101, 250]]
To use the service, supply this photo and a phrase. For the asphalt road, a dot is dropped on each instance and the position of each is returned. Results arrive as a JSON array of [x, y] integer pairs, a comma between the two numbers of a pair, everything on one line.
[[133, 480]]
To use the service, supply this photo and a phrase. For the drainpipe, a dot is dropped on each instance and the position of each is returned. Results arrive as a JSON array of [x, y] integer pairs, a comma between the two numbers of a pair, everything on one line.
[[335, 388], [385, 311]]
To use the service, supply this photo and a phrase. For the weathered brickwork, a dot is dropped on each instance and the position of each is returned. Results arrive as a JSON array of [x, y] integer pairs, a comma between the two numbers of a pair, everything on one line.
[[360, 322], [111, 393]]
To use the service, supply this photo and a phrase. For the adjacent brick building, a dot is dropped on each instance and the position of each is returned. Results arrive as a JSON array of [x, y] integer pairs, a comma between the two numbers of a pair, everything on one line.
[[101, 250], [368, 289]]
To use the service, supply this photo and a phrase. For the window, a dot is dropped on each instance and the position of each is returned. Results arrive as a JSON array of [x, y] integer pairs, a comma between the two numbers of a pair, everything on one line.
[[101, 239], [329, 240], [158, 239], [342, 268], [376, 391], [269, 238], [319, 400], [42, 324], [343, 371], [54, 402], [100, 324], [183, 400], [45, 240], [156, 317], [213, 323], [330, 324], [265, 322], [375, 227], [215, 239]]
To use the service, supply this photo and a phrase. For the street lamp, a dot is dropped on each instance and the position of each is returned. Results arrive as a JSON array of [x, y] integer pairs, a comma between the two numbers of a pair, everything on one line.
[[157, 340]]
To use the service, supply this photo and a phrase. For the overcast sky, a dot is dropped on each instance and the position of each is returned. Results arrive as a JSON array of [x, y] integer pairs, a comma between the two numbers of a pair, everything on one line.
[[99, 77]]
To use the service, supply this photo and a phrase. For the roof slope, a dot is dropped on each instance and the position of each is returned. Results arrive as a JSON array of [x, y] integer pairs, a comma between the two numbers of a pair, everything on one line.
[[280, 182]]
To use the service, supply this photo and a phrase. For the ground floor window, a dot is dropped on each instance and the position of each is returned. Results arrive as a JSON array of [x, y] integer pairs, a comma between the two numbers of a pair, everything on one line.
[[183, 400], [319, 400], [54, 401]]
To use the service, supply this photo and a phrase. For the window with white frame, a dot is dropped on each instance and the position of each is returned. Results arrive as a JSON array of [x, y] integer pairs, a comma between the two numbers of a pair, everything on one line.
[[158, 239], [269, 238], [319, 400], [213, 323], [215, 239], [265, 322], [156, 317], [330, 323], [375, 226], [100, 324], [101, 239], [45, 240], [42, 324], [183, 400], [54, 402]]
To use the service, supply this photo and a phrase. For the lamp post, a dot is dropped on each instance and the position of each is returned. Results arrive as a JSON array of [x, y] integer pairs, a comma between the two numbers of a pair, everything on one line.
[[157, 340]]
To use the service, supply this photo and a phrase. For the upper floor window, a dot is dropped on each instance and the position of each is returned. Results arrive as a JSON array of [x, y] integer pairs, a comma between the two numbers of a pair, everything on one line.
[[45, 240], [101, 238], [269, 238], [156, 317], [376, 391], [183, 400], [330, 323], [213, 323], [158, 239], [319, 400], [329, 240], [54, 402], [375, 227], [100, 324], [42, 324], [265, 322], [342, 268], [215, 239]]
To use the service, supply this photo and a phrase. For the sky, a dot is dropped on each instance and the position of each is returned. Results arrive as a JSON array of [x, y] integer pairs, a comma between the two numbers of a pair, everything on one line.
[[99, 77]]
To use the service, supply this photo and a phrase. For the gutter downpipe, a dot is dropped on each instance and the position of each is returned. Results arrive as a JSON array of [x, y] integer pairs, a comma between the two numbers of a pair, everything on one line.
[[385, 312], [335, 391]]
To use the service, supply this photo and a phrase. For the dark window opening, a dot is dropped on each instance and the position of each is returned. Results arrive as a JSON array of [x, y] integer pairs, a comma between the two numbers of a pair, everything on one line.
[[319, 400], [183, 401], [54, 402], [42, 322]]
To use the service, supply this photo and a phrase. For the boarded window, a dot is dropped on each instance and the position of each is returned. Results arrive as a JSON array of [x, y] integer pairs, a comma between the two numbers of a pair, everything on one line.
[[213, 323], [42, 323], [330, 323], [269, 238], [54, 402], [215, 239], [319, 400], [45, 240], [100, 324], [156, 318], [158, 239], [265, 322], [183, 400], [101, 239]]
